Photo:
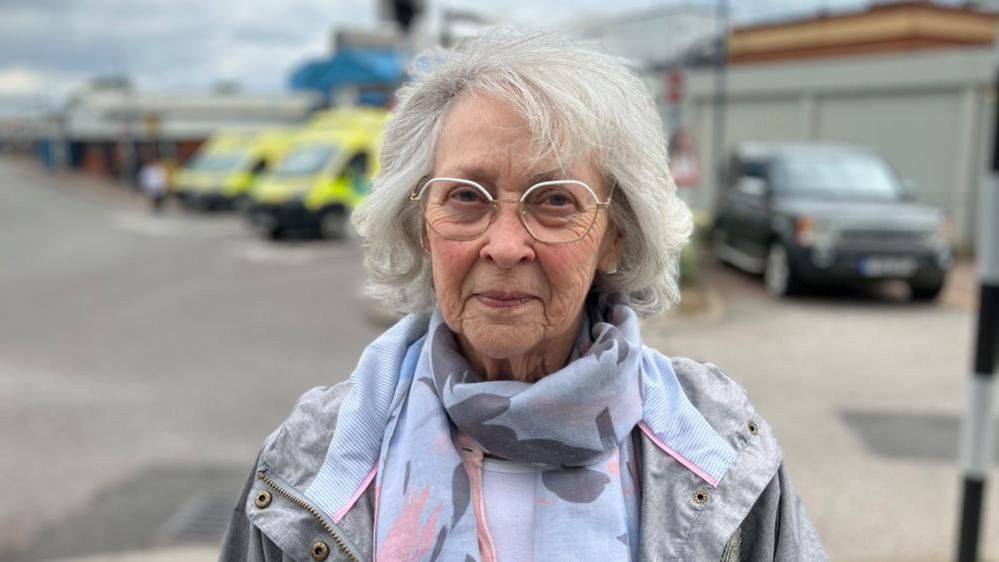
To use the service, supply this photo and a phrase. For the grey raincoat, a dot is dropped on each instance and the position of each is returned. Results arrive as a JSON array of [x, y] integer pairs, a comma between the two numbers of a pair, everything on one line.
[[753, 514]]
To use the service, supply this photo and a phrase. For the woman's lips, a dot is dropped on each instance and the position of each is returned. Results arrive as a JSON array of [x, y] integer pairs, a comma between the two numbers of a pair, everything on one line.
[[500, 299]]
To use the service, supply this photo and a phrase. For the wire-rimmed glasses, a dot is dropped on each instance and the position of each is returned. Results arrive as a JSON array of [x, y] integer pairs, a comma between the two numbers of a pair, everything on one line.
[[553, 212]]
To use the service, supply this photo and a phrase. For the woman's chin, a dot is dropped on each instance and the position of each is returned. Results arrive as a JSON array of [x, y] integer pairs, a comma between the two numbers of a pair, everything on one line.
[[502, 342]]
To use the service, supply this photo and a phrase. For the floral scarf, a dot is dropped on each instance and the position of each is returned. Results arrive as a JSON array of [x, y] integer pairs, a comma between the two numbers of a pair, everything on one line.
[[574, 425]]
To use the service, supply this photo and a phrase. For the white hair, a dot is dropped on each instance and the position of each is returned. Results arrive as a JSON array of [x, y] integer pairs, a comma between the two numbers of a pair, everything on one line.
[[578, 102]]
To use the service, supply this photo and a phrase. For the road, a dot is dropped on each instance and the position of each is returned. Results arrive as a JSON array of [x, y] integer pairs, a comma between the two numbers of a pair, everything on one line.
[[144, 358]]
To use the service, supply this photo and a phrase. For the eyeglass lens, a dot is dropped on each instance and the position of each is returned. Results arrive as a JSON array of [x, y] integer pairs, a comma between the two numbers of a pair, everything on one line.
[[554, 212]]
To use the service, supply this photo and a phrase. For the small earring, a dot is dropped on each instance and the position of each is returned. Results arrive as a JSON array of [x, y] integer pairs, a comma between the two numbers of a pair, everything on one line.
[[611, 270]]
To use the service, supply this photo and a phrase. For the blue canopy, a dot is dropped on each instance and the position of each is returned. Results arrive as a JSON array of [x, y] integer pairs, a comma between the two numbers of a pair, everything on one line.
[[350, 66]]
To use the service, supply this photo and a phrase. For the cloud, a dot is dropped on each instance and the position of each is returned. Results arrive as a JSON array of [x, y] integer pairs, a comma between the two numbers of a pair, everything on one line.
[[16, 81], [20, 81], [188, 45], [175, 44]]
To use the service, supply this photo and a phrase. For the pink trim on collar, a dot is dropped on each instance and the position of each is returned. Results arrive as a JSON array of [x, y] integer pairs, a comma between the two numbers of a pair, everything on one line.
[[338, 516], [679, 458]]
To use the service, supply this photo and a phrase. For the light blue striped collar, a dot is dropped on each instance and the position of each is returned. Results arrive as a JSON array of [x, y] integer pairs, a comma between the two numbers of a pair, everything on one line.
[[378, 385], [672, 422]]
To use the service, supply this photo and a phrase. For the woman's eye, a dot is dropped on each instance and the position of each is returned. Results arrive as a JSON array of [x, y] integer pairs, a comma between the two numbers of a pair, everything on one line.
[[556, 199], [466, 196]]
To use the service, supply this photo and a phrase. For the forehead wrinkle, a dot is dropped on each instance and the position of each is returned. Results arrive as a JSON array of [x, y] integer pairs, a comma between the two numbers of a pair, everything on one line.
[[483, 171], [478, 171], [509, 160], [532, 154]]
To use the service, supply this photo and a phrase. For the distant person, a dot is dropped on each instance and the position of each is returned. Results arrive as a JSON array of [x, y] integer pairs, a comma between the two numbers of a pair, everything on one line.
[[153, 183], [526, 219]]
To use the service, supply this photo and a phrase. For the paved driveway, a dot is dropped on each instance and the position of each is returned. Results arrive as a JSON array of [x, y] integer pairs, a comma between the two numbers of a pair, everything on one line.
[[865, 391]]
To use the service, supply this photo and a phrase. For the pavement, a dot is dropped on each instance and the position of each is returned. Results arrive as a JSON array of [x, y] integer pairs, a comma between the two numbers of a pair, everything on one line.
[[152, 354], [187, 554], [962, 290], [866, 392], [143, 359]]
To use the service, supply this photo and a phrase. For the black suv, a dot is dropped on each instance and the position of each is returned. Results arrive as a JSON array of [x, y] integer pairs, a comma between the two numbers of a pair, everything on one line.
[[804, 214]]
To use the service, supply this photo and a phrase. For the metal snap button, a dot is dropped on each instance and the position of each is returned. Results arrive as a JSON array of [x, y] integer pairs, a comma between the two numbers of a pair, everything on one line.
[[753, 428], [701, 497], [320, 551], [263, 499]]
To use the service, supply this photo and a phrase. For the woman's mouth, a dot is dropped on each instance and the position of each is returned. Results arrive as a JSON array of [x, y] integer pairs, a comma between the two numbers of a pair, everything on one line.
[[502, 299]]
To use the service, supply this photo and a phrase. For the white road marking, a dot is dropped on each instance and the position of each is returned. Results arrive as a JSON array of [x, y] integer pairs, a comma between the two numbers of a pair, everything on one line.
[[243, 244], [285, 254], [165, 226]]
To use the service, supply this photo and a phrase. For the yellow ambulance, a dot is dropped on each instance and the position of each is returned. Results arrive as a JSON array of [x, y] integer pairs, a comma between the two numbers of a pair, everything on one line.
[[324, 175], [225, 169]]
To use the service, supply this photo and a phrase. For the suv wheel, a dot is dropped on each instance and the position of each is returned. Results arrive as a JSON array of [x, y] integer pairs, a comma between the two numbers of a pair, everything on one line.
[[779, 276], [926, 293]]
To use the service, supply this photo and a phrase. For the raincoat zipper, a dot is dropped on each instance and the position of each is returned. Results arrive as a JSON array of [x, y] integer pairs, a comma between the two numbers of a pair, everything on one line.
[[312, 511]]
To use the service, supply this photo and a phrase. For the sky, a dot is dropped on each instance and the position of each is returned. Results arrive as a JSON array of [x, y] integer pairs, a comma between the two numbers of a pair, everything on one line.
[[48, 48]]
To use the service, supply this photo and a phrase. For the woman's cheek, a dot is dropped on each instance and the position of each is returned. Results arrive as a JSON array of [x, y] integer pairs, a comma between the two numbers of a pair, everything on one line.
[[570, 276], [451, 267]]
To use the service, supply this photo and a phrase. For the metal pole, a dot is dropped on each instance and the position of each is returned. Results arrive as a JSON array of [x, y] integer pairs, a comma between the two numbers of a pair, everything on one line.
[[718, 123], [976, 444]]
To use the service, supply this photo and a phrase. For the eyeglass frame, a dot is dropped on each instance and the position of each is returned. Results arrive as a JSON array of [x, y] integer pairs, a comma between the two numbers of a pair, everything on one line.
[[416, 196]]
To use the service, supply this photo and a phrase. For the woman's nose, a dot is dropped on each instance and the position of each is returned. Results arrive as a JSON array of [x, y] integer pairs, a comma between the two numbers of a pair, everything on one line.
[[507, 241]]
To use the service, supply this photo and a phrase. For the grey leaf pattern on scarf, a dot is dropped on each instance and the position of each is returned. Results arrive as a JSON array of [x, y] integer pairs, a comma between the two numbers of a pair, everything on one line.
[[548, 452], [472, 414], [461, 493], [429, 383], [405, 480], [479, 408], [605, 427], [439, 545], [576, 485]]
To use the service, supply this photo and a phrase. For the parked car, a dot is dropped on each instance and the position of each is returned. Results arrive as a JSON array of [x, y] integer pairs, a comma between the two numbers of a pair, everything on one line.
[[810, 214]]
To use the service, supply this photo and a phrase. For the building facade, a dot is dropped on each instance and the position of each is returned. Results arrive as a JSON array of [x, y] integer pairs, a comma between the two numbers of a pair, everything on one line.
[[913, 80]]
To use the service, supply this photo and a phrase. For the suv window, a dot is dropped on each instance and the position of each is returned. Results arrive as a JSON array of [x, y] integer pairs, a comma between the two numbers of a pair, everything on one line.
[[741, 167], [839, 176], [753, 169]]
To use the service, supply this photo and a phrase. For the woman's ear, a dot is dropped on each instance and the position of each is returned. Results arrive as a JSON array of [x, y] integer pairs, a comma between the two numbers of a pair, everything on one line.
[[611, 250]]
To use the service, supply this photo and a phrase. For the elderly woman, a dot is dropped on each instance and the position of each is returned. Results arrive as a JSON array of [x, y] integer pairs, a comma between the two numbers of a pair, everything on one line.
[[525, 219]]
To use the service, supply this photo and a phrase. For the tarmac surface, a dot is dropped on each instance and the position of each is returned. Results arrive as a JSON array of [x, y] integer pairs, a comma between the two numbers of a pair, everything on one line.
[[144, 358]]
